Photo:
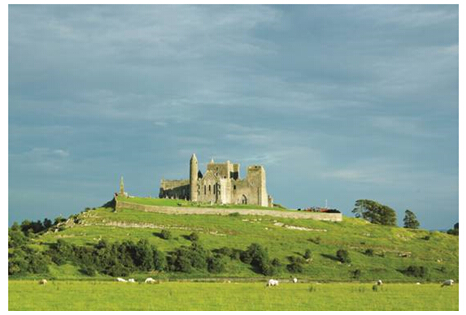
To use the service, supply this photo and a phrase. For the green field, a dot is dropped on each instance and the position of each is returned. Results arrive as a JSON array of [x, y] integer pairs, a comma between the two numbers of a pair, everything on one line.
[[94, 295], [394, 249]]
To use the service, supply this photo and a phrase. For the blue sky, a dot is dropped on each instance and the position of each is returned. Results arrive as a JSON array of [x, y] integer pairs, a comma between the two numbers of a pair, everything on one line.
[[337, 102]]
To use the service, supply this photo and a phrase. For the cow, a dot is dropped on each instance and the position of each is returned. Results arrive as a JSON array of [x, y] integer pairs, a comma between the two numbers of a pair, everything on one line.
[[295, 280], [121, 280], [379, 282], [131, 280], [447, 282], [272, 283], [43, 282], [149, 280]]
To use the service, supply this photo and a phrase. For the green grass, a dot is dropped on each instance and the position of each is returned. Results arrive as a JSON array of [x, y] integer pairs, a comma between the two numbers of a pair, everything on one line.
[[94, 295], [185, 203], [439, 254]]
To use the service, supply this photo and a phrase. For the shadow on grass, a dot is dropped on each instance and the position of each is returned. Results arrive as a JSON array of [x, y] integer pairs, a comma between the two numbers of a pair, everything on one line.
[[330, 257]]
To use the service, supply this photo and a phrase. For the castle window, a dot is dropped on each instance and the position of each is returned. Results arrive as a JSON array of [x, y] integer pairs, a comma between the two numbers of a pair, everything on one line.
[[209, 189], [205, 190], [234, 187]]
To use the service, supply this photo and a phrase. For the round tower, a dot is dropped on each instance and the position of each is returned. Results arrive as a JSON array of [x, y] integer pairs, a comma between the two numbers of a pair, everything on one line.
[[193, 170]]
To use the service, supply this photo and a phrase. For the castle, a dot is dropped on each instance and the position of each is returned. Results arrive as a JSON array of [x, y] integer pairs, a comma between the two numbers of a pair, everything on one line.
[[221, 184]]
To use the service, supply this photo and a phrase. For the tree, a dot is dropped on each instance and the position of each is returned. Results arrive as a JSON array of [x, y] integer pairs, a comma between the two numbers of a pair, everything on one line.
[[410, 220], [455, 230], [374, 212]]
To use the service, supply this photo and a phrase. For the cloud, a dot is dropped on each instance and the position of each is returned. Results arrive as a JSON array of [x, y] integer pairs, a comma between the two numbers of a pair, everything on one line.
[[41, 159]]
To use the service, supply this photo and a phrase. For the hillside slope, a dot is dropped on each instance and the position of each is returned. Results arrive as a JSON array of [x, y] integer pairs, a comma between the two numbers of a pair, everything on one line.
[[394, 249]]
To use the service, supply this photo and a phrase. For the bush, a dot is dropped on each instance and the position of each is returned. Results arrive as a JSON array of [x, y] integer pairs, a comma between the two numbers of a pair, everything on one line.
[[416, 271], [307, 254], [215, 264], [356, 274], [268, 269], [315, 240], [193, 237], [426, 238], [234, 214], [276, 262], [166, 234], [343, 256], [88, 271], [369, 252], [295, 267]]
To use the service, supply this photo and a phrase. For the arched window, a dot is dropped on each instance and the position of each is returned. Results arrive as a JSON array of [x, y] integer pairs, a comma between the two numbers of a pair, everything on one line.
[[205, 190], [209, 189]]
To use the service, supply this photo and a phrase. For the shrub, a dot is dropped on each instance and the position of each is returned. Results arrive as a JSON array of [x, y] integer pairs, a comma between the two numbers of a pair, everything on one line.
[[426, 238], [88, 270], [343, 256], [295, 267], [369, 252], [268, 269], [215, 264], [356, 274], [416, 271], [193, 237], [166, 234], [276, 262], [255, 255], [234, 214], [296, 259], [160, 260], [307, 254]]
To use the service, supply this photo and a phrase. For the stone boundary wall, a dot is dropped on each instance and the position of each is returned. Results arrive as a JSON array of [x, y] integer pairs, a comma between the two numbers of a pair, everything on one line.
[[335, 217]]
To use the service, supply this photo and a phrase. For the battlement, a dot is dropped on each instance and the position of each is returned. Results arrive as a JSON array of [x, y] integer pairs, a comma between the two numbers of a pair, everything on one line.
[[220, 184]]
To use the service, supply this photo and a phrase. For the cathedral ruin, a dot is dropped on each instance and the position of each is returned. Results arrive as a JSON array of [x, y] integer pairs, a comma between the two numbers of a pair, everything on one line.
[[220, 184]]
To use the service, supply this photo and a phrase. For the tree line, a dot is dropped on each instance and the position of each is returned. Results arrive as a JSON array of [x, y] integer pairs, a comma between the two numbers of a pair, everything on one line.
[[377, 213]]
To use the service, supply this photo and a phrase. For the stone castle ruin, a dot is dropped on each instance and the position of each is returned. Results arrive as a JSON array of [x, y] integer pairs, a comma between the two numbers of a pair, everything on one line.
[[220, 184]]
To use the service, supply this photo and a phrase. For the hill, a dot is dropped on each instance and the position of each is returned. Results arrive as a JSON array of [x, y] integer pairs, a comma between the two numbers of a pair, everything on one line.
[[375, 251]]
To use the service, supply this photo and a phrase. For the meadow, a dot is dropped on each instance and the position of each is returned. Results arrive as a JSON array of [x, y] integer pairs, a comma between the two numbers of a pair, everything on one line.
[[107, 295]]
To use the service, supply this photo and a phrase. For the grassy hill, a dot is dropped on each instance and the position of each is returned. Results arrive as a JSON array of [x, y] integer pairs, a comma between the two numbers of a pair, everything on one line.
[[393, 249]]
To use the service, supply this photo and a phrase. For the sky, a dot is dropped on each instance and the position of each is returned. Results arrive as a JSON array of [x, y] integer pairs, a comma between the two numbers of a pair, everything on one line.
[[337, 102]]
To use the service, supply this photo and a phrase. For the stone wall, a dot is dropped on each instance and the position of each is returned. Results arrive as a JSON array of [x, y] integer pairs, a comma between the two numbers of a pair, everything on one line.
[[336, 217]]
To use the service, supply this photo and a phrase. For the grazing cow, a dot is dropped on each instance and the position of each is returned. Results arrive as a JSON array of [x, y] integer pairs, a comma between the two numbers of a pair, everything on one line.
[[379, 282], [272, 283], [131, 280], [295, 280], [43, 281], [121, 280], [149, 280], [447, 282]]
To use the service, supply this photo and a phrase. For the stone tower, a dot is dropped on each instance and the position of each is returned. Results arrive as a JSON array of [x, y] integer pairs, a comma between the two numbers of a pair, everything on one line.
[[122, 187], [193, 170]]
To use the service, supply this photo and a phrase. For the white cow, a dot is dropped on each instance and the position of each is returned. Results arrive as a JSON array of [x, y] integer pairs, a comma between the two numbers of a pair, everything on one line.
[[43, 281], [272, 283], [149, 280], [295, 280], [379, 282], [121, 280], [447, 282], [131, 280]]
